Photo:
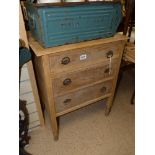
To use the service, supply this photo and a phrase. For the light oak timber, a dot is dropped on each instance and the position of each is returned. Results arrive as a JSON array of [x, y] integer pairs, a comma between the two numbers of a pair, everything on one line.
[[45, 89], [83, 86], [110, 99], [94, 54], [82, 105], [87, 82], [81, 78], [82, 95], [40, 50]]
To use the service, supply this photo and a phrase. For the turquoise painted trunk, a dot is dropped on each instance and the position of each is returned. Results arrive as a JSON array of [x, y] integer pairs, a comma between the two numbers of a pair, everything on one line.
[[54, 25]]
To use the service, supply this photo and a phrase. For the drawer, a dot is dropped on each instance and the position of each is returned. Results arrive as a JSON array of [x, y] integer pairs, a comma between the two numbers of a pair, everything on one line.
[[74, 80], [70, 100], [69, 60]]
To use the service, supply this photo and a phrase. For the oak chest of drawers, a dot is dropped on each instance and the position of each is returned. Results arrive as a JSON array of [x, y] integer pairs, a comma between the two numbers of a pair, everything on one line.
[[73, 76]]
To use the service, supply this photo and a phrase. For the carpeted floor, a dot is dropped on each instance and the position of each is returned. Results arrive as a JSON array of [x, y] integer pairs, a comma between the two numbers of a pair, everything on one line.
[[89, 132]]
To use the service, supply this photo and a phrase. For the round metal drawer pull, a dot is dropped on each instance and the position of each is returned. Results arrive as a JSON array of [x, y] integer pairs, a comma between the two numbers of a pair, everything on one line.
[[67, 81], [109, 54], [103, 89], [106, 70], [65, 60], [66, 101]]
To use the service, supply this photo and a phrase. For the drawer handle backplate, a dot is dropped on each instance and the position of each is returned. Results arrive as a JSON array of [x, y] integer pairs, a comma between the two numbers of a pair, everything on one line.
[[103, 89], [67, 81], [66, 101], [109, 54], [65, 60]]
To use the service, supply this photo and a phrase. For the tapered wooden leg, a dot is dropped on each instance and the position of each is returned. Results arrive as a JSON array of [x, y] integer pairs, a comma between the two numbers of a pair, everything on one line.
[[54, 125], [108, 106], [47, 91], [56, 136], [107, 111]]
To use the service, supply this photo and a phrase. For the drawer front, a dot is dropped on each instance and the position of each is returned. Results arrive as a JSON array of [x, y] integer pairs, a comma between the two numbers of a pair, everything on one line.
[[70, 100], [69, 60], [74, 80]]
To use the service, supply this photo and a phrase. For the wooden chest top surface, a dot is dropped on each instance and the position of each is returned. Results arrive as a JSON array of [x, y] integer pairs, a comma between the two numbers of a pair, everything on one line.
[[39, 50]]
